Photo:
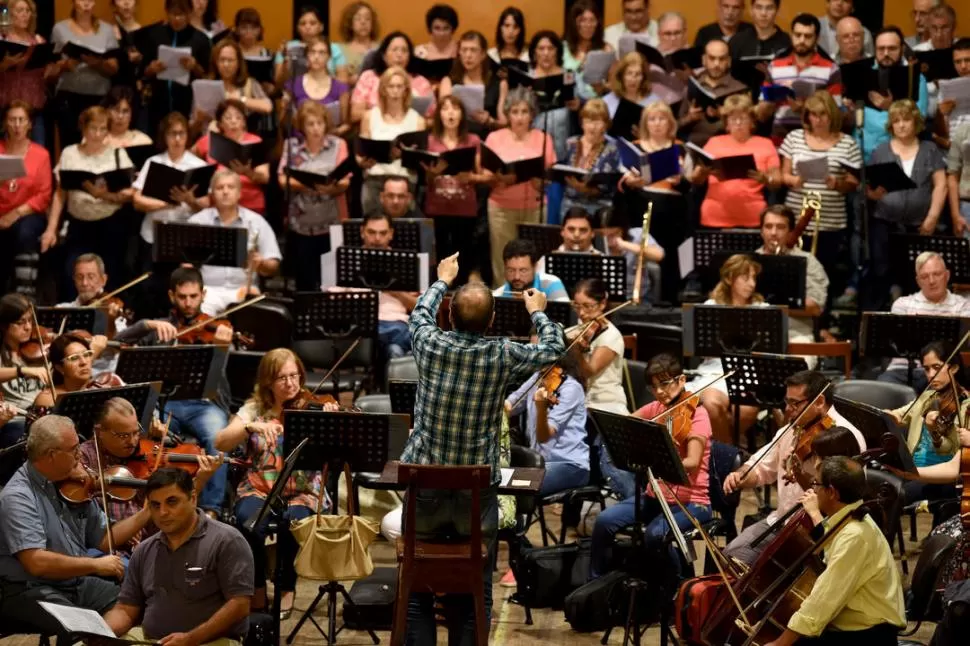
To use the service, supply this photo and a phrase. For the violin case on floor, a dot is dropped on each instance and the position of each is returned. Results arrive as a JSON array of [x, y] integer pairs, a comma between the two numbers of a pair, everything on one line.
[[374, 598]]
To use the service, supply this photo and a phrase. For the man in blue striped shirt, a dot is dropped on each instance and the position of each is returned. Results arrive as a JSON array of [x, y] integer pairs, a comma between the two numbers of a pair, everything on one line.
[[463, 378]]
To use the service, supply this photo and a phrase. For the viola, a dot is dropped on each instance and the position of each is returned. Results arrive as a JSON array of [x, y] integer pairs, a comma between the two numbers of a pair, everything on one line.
[[84, 484], [802, 449]]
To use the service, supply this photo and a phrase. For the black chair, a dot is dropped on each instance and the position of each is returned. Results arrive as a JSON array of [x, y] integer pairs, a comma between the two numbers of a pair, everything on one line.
[[886, 498], [880, 394], [241, 370], [402, 369], [638, 385], [571, 498], [923, 603], [269, 322], [654, 338], [318, 355], [525, 506], [374, 403]]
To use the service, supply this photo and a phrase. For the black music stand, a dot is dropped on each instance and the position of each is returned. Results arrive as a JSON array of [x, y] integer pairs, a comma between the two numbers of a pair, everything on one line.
[[705, 243], [410, 234], [712, 330], [514, 321], [885, 442], [91, 319], [758, 380], [571, 268], [84, 406], [782, 281], [376, 269], [647, 450], [274, 504], [185, 371], [904, 335], [335, 315], [955, 252], [365, 443], [403, 393], [200, 245], [546, 237]]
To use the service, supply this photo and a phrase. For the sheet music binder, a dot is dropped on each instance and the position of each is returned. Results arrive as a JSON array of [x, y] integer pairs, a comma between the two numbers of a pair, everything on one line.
[[365, 441], [91, 319], [713, 330], [571, 268], [84, 406], [200, 244], [328, 315], [185, 371]]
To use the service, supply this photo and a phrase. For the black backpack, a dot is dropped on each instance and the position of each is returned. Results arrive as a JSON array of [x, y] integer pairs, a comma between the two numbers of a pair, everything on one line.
[[545, 575]]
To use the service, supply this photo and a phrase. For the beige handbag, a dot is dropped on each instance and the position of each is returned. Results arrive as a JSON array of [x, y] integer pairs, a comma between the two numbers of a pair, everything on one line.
[[334, 547]]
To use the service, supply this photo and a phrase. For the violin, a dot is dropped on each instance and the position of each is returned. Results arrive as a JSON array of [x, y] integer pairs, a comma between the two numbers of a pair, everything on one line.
[[802, 449], [34, 350], [202, 331], [679, 416], [552, 381], [307, 400], [84, 484], [151, 455]]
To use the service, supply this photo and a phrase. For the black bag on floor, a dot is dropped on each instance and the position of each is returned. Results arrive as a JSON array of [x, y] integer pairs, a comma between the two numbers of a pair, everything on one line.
[[595, 605], [547, 574], [373, 597]]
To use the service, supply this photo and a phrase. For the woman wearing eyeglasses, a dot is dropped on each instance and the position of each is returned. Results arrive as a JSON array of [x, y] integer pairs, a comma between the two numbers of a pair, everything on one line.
[[71, 357]]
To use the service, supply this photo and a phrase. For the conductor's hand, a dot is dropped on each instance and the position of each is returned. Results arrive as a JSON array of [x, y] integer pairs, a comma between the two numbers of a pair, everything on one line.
[[448, 269], [535, 300], [109, 567], [733, 482]]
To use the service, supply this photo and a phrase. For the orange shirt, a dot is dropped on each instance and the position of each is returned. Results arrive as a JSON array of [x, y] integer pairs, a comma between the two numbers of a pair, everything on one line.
[[504, 144], [737, 202]]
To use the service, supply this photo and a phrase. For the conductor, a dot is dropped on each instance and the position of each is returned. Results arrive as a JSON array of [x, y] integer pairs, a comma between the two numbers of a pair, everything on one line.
[[462, 381]]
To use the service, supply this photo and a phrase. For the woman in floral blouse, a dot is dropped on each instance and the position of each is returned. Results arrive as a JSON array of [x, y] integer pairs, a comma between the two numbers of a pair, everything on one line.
[[592, 152], [257, 427]]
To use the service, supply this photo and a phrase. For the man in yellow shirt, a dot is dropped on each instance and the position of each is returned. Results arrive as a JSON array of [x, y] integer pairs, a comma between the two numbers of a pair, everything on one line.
[[858, 598]]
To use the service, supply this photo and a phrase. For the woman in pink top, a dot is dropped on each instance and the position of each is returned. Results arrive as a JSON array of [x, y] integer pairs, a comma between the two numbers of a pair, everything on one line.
[[511, 202], [666, 378], [231, 119], [396, 50], [738, 202], [23, 202]]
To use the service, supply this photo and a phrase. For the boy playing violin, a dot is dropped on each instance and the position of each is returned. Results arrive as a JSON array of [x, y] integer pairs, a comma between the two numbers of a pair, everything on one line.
[[666, 379]]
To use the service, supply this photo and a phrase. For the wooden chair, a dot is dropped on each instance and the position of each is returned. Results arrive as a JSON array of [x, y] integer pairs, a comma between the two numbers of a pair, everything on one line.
[[446, 568], [630, 346], [841, 349]]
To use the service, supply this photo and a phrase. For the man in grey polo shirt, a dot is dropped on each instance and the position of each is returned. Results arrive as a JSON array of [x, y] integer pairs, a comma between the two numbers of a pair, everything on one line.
[[45, 541], [189, 584]]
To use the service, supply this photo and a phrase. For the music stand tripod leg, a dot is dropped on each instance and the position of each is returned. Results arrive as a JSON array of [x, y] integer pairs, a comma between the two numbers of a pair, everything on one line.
[[309, 615]]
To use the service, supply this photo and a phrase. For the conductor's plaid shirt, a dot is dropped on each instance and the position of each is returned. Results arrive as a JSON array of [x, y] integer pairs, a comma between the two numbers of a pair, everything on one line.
[[462, 384]]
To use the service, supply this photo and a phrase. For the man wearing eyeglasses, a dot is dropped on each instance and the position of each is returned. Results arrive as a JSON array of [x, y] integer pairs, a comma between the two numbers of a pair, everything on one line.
[[768, 465], [44, 541], [119, 434]]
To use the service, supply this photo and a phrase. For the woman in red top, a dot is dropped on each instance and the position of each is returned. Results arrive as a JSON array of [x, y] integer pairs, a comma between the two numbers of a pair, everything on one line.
[[451, 198], [23, 202], [738, 202], [231, 121]]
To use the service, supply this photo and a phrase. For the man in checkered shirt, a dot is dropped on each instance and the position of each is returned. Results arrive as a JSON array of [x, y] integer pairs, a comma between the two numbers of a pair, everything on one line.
[[462, 383]]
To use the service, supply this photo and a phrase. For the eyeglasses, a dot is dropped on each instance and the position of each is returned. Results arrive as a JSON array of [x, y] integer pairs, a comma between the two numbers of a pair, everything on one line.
[[124, 436], [792, 403], [584, 307], [664, 385], [76, 449], [74, 358], [282, 379]]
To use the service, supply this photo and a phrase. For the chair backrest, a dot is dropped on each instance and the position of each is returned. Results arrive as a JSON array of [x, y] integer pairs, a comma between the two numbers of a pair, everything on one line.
[[630, 346], [935, 552], [241, 371], [724, 459], [268, 321], [374, 403], [402, 369], [449, 478], [885, 496], [880, 394], [322, 353], [638, 384]]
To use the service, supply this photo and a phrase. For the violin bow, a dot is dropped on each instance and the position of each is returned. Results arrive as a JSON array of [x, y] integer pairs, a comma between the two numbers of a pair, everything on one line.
[[43, 353], [336, 365], [96, 302], [104, 494], [930, 381], [231, 310], [956, 398], [161, 442], [670, 410], [767, 448]]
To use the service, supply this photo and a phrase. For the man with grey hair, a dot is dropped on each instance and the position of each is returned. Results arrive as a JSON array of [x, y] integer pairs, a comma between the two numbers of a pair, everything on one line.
[[921, 15], [933, 298], [850, 35], [671, 32], [45, 542], [225, 285]]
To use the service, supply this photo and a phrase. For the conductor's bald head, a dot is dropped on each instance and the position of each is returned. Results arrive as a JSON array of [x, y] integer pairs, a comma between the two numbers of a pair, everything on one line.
[[472, 308]]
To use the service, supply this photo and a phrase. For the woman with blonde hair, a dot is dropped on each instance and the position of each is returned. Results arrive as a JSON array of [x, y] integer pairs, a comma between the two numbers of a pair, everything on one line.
[[257, 426], [593, 152], [630, 82], [737, 202], [392, 116]]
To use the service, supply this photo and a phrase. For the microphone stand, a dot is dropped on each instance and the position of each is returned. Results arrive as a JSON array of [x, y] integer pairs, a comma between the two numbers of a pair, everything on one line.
[[291, 56], [864, 214], [543, 215]]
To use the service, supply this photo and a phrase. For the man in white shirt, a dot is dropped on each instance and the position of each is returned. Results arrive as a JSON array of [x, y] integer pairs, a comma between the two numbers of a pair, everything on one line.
[[768, 465], [836, 10], [921, 13], [671, 32], [226, 285], [933, 298], [636, 22]]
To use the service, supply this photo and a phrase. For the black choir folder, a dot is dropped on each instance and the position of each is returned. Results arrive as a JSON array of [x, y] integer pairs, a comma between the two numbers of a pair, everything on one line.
[[706, 97], [161, 179], [559, 173], [225, 150], [312, 178], [523, 170], [113, 180], [458, 160], [861, 77], [76, 51], [888, 175], [732, 167], [34, 56]]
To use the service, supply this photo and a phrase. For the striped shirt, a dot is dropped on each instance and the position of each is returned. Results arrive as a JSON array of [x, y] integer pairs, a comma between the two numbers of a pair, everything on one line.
[[784, 71], [846, 150], [462, 381]]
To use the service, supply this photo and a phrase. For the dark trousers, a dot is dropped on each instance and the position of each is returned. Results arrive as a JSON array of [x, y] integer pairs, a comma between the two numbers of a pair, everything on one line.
[[287, 546], [69, 108], [443, 515], [21, 245], [881, 635], [303, 253], [916, 491], [103, 237], [19, 605]]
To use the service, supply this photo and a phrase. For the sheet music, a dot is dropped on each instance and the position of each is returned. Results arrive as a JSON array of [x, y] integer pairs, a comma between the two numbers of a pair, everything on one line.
[[78, 620], [685, 255], [813, 169], [336, 236], [471, 96], [207, 94], [173, 71], [423, 271], [506, 477], [12, 167], [597, 65]]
